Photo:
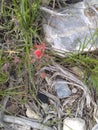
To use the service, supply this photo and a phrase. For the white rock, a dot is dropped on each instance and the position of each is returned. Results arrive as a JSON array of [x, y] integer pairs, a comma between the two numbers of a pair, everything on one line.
[[74, 90], [31, 113], [74, 124]]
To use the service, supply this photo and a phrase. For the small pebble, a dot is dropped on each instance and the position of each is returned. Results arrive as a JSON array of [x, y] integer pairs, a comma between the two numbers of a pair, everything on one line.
[[74, 90], [43, 98], [62, 89]]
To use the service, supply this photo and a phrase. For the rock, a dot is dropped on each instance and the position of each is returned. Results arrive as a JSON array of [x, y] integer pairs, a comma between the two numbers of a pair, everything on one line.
[[95, 127], [74, 90], [62, 89], [74, 124], [43, 98], [31, 113], [70, 29]]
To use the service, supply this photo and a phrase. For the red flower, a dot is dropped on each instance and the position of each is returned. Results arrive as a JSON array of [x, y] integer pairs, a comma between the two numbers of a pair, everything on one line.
[[43, 75], [42, 46], [39, 51], [38, 54]]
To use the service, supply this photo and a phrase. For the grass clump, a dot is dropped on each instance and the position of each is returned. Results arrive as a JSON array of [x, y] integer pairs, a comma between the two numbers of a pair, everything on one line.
[[26, 13], [87, 63], [19, 26]]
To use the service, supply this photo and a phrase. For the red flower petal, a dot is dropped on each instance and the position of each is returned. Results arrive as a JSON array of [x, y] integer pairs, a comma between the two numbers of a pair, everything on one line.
[[42, 46], [43, 75], [38, 53]]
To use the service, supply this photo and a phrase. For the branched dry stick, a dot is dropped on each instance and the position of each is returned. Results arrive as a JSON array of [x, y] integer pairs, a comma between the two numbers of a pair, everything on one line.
[[69, 76], [25, 122], [58, 70], [2, 124]]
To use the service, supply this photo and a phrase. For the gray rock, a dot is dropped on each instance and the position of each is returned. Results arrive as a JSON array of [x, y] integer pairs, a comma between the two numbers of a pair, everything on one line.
[[68, 28], [62, 89]]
